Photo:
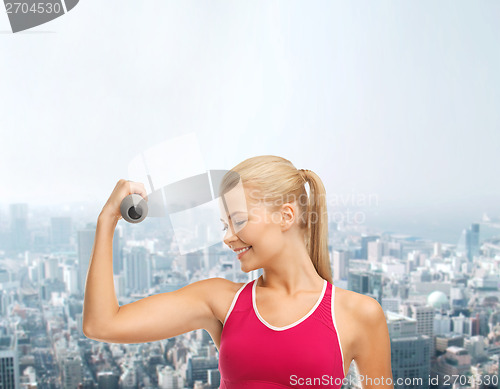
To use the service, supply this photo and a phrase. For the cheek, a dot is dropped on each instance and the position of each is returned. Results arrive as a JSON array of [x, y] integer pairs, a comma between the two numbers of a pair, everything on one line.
[[255, 233], [266, 237]]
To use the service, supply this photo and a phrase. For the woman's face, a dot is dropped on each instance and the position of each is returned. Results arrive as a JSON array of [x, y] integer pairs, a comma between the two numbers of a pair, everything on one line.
[[247, 222]]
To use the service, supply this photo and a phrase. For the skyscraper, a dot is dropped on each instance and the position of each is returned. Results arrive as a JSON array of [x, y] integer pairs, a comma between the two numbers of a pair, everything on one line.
[[60, 231], [468, 244], [85, 240], [9, 363], [19, 234], [137, 269], [364, 245], [368, 282], [410, 355], [340, 264], [472, 241]]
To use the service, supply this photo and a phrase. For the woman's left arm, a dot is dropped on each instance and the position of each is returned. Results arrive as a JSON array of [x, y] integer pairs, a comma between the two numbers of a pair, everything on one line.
[[373, 354]]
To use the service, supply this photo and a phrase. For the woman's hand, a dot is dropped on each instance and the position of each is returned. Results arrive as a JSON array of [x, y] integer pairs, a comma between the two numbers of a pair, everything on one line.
[[122, 189]]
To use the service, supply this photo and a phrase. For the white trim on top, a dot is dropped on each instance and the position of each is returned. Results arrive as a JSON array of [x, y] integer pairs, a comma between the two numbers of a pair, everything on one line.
[[289, 325], [335, 325], [234, 302]]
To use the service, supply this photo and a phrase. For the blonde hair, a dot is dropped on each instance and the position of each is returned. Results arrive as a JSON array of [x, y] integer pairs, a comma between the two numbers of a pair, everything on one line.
[[278, 181]]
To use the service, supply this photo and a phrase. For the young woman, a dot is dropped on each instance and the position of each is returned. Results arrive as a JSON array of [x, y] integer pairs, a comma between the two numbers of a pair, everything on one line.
[[290, 327]]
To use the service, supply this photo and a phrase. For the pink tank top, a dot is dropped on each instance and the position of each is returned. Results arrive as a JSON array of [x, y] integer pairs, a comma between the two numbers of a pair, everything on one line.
[[254, 354]]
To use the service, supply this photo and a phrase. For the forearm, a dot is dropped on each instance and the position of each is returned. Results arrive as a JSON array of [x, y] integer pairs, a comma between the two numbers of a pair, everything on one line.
[[100, 302]]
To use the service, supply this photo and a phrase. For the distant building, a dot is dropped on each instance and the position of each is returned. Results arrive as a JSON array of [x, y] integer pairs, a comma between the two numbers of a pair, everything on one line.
[[340, 259], [85, 241], [60, 232], [410, 352], [198, 370], [72, 371], [9, 363], [368, 282], [137, 269], [468, 243], [456, 361], [19, 234]]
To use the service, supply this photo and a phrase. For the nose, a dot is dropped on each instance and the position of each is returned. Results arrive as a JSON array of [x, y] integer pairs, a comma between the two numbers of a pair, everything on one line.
[[230, 237]]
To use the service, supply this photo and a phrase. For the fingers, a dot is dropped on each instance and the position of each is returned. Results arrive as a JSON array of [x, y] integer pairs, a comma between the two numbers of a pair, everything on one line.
[[136, 187]]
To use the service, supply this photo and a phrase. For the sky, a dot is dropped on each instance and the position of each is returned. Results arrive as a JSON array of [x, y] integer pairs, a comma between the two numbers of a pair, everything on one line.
[[389, 99]]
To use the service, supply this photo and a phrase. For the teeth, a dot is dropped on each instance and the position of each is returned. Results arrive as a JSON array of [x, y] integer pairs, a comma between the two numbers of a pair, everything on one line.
[[242, 250]]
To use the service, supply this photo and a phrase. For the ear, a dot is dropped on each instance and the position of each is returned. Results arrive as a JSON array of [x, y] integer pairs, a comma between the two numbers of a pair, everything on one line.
[[287, 216]]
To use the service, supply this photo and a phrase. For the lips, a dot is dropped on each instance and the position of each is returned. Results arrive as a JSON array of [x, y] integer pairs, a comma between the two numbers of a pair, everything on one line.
[[241, 253], [239, 250]]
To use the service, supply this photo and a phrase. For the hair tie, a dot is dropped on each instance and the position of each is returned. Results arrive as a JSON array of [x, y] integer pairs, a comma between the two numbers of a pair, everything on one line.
[[302, 173]]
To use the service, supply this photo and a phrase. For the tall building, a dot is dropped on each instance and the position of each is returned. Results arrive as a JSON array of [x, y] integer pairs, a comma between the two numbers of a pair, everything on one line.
[[468, 243], [117, 251], [410, 353], [442, 324], [472, 241], [72, 371], [368, 282], [437, 250], [213, 255], [198, 368], [391, 304], [424, 315], [168, 378], [137, 269], [364, 245], [85, 241], [53, 270], [194, 261], [107, 380], [60, 232], [340, 264], [9, 363], [375, 250], [19, 234]]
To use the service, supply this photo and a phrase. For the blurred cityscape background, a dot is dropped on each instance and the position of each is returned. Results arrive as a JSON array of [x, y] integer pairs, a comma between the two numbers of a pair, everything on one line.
[[441, 300], [394, 104]]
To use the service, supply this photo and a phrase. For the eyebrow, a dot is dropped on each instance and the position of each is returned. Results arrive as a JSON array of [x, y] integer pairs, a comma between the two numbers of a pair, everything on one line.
[[232, 215]]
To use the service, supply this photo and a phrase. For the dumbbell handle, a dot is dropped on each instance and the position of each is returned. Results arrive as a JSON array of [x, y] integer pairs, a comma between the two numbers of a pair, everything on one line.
[[134, 208]]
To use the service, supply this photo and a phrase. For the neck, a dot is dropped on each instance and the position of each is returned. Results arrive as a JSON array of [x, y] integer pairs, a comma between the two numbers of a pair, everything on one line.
[[291, 272]]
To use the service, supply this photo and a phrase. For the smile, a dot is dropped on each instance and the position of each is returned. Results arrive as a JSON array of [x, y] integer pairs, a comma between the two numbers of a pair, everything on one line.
[[242, 250]]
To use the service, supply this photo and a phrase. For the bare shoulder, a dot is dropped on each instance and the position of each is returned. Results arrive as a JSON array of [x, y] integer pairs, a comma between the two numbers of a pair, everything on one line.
[[221, 285], [221, 292], [361, 307], [362, 315]]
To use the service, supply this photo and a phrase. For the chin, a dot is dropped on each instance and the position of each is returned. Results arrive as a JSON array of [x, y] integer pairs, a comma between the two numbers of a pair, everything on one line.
[[247, 269]]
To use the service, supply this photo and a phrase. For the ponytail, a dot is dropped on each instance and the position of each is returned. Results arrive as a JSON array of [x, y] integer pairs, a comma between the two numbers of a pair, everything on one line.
[[317, 225]]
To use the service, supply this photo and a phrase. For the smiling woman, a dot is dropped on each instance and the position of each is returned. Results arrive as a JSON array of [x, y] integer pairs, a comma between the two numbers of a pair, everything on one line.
[[289, 323]]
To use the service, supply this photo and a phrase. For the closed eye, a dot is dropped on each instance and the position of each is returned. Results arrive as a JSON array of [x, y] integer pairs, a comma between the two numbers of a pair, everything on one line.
[[238, 224]]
